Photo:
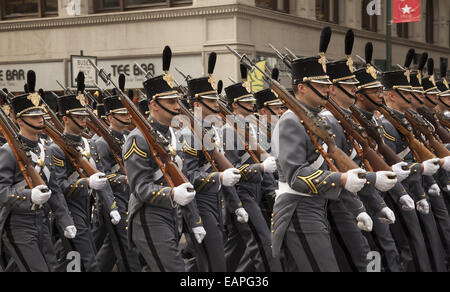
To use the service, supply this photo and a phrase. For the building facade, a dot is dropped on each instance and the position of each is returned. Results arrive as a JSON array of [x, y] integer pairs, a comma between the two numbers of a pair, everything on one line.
[[43, 35]]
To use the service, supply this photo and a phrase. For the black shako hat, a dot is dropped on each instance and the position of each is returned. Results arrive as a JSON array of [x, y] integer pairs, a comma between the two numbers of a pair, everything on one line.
[[28, 104], [313, 69], [367, 76]]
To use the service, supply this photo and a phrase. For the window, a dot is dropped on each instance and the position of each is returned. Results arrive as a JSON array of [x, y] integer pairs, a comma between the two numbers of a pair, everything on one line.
[[327, 10], [28, 8], [402, 30], [280, 5], [368, 22], [429, 22], [121, 5]]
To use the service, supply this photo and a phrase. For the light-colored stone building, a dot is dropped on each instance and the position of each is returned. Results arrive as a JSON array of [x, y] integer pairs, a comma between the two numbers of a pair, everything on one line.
[[43, 34]]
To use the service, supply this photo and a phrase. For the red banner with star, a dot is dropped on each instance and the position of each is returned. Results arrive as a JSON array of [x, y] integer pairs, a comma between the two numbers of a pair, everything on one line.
[[406, 11]]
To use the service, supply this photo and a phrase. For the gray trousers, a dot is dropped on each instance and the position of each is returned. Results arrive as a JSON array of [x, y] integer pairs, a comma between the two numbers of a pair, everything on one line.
[[307, 238], [27, 238], [155, 234]]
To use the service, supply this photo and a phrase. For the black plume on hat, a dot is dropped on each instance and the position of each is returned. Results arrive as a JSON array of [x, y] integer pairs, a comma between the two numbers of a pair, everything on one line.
[[131, 94], [423, 61], [325, 38], [349, 42], [219, 87], [275, 74], [409, 58], [212, 63], [430, 66], [369, 53], [444, 68], [25, 88], [167, 58], [243, 72], [122, 80], [31, 81], [80, 82], [41, 92]]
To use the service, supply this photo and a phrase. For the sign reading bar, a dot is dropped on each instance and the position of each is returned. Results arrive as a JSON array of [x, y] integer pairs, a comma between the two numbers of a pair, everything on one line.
[[81, 64]]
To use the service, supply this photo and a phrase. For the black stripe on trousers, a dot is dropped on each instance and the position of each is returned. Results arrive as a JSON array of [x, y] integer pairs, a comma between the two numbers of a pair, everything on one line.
[[19, 254], [341, 242], [305, 244], [148, 237], [405, 229], [260, 245]]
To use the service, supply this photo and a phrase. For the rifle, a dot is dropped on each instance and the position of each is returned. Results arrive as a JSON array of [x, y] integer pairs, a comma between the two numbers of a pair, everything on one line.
[[66, 90], [285, 58], [216, 156], [53, 117], [315, 127], [368, 156], [372, 130], [158, 145], [115, 145], [424, 128], [31, 176], [257, 155], [147, 75], [438, 122], [293, 56], [420, 152]]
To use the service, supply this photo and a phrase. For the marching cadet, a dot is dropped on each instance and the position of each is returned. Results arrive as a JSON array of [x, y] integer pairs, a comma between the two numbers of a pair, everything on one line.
[[208, 183], [300, 211], [406, 231], [119, 119], [270, 109], [344, 229], [153, 224], [25, 232], [76, 190], [398, 98], [241, 101]]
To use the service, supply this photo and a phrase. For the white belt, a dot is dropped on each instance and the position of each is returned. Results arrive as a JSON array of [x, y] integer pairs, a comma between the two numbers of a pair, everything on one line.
[[284, 188]]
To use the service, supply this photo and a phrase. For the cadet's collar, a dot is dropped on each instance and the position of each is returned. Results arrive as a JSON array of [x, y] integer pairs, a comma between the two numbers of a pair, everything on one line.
[[44, 136], [158, 126], [29, 143], [314, 110], [126, 132], [3, 140], [397, 112], [116, 134], [368, 115], [76, 138]]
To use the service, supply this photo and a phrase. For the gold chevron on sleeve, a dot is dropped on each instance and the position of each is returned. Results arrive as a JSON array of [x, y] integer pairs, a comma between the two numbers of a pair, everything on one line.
[[388, 136], [189, 150], [57, 161], [135, 149], [309, 180]]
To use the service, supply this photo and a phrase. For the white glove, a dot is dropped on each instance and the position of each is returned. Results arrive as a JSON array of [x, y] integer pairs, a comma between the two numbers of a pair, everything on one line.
[[383, 183], [182, 195], [231, 177], [401, 174], [387, 216], [423, 207], [434, 191], [354, 184], [242, 215], [115, 217], [70, 232], [365, 223], [38, 197], [270, 165], [430, 167], [199, 233], [97, 183], [407, 203], [446, 165]]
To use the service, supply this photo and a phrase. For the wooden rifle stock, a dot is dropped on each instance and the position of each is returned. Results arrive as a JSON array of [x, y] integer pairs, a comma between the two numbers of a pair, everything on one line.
[[114, 144], [438, 121], [416, 121], [31, 176], [420, 152], [81, 164], [356, 132], [388, 154]]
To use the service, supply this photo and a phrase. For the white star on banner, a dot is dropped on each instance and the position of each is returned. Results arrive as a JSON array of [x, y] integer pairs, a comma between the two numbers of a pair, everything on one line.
[[406, 9]]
